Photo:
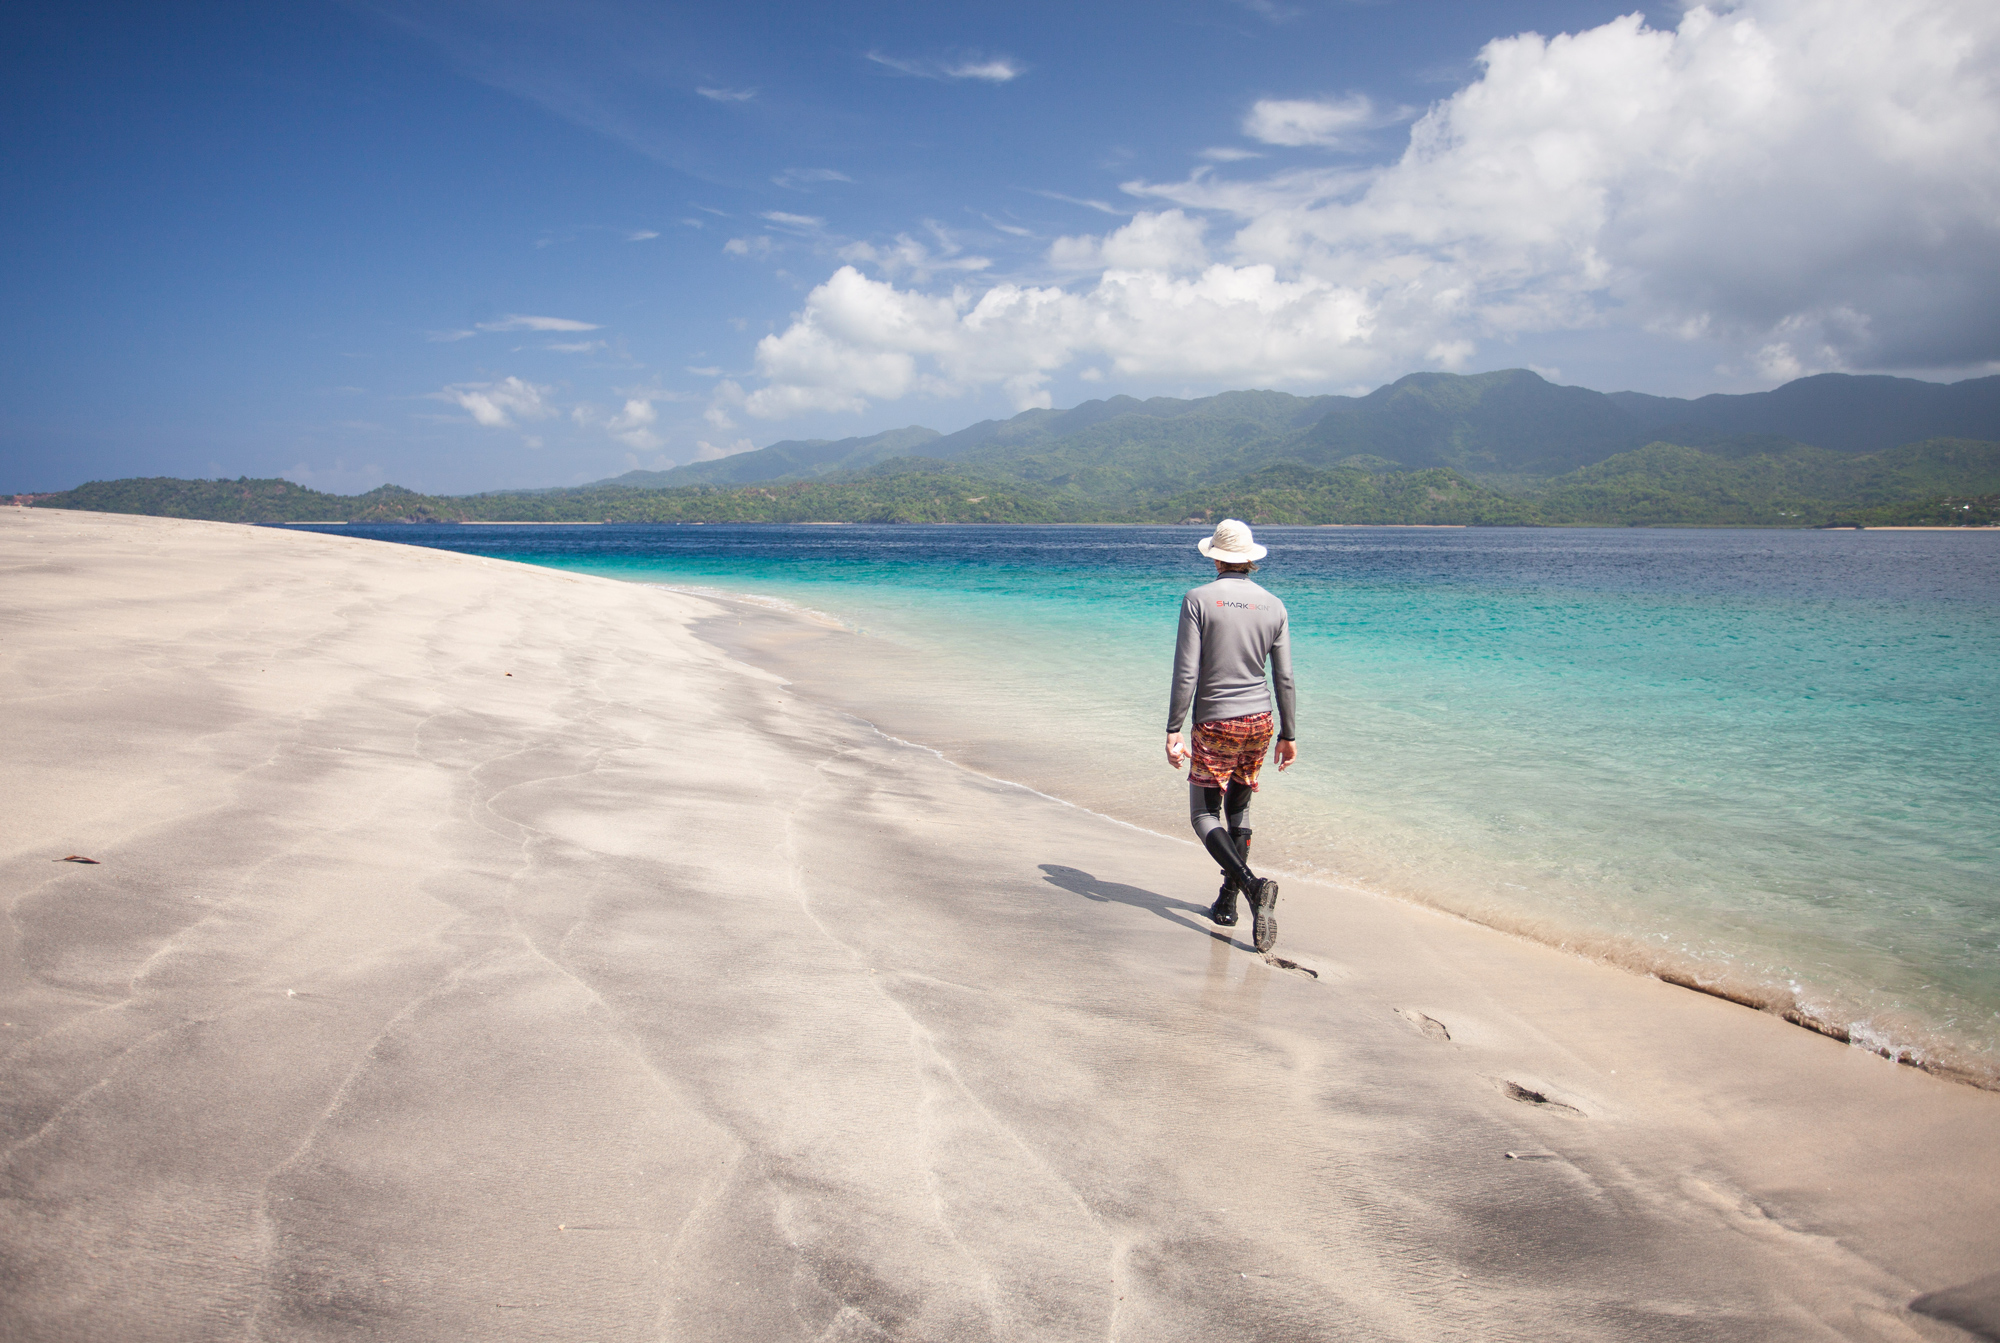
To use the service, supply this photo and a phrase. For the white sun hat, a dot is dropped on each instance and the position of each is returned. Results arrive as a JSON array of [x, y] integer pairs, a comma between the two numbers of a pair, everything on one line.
[[1232, 544]]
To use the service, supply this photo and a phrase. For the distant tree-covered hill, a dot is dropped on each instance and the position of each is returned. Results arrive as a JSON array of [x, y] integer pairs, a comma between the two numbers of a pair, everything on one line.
[[1505, 448], [1768, 483], [904, 490], [246, 500], [1783, 484], [901, 491]]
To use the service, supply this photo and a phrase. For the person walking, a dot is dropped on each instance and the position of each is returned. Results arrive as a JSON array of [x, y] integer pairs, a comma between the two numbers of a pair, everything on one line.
[[1229, 629]]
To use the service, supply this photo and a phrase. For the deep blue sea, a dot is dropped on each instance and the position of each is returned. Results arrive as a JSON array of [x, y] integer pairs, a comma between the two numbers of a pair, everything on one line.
[[1770, 758]]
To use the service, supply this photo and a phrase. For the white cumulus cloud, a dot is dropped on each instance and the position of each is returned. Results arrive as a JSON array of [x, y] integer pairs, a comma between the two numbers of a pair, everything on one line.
[[497, 405], [1170, 240], [1800, 184], [860, 339], [633, 425]]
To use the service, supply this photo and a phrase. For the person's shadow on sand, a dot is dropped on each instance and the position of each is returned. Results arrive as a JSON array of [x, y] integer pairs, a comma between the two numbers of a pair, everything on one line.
[[1078, 882]]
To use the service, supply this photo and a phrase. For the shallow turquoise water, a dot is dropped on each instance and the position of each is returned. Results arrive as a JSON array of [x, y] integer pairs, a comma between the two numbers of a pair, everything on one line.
[[1771, 757]]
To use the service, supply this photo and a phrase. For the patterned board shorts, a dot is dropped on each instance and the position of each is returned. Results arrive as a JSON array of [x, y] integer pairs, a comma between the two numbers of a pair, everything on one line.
[[1230, 748]]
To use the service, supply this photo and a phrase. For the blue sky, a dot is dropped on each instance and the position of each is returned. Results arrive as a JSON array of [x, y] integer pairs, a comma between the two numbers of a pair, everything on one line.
[[464, 246]]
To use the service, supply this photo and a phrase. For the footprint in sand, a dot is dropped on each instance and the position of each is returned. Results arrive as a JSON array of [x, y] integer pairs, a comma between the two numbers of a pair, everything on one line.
[[1430, 1026], [1529, 1096]]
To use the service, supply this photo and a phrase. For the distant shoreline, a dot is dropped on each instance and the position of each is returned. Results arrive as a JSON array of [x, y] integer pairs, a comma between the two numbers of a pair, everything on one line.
[[1322, 526]]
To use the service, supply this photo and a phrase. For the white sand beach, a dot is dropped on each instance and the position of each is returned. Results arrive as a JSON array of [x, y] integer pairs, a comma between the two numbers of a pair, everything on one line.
[[473, 951]]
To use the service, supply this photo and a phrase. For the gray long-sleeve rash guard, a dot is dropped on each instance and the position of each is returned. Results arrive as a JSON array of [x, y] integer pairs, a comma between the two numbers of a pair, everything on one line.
[[1228, 628]]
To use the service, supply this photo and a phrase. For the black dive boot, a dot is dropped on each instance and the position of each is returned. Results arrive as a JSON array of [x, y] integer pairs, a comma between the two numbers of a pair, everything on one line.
[[1223, 912], [1264, 914], [1236, 876]]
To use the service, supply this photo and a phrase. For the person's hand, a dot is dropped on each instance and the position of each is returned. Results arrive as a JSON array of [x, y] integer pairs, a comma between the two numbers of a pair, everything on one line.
[[1287, 752], [1176, 753]]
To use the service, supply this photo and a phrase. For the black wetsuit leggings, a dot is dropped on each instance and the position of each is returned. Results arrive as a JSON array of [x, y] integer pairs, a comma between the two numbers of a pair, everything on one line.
[[1215, 813]]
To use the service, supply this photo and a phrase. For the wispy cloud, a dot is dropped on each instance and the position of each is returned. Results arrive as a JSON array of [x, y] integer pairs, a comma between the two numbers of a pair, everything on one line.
[[599, 66], [989, 69], [756, 246], [791, 220], [519, 322], [1336, 124], [799, 177], [1269, 9], [908, 256], [1255, 198], [640, 235], [1229, 154], [996, 71], [575, 346], [1099, 206], [516, 322]]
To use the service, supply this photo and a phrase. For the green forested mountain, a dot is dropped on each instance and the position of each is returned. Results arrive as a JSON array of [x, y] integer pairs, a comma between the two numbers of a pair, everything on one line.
[[1504, 448], [1147, 449], [794, 459], [1292, 493], [1512, 430], [1840, 412], [1510, 424], [1122, 433]]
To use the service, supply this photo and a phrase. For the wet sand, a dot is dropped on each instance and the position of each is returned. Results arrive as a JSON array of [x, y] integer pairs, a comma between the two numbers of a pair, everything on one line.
[[636, 995]]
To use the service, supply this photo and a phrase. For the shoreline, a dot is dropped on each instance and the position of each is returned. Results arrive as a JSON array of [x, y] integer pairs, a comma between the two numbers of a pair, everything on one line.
[[425, 969], [847, 670]]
